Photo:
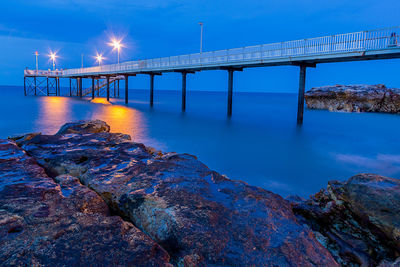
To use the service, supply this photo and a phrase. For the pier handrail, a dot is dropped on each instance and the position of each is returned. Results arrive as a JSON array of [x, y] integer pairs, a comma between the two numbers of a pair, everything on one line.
[[380, 39]]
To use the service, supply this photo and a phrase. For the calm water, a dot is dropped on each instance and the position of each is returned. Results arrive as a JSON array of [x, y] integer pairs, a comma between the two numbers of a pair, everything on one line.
[[260, 144]]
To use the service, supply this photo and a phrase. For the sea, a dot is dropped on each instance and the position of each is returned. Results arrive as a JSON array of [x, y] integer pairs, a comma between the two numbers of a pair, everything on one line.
[[260, 144]]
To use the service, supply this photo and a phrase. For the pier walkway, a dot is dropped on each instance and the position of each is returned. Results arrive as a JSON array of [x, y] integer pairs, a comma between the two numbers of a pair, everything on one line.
[[357, 46]]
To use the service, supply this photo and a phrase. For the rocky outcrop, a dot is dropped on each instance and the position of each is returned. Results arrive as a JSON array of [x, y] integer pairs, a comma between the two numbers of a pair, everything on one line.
[[82, 127], [354, 98], [357, 220], [197, 215], [60, 222]]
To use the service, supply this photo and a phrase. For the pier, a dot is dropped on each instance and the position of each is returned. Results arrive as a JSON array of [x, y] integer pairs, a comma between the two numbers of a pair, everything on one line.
[[303, 54]]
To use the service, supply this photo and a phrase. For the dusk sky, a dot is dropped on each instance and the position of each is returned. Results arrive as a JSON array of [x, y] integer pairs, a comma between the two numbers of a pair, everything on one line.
[[158, 28]]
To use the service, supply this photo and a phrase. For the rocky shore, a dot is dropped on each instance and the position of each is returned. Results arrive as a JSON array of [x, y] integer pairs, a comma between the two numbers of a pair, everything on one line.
[[85, 196], [354, 98]]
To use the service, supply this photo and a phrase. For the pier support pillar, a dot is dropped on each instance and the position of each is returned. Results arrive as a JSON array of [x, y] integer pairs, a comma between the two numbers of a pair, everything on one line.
[[151, 89], [118, 88], [24, 85], [184, 91], [108, 87], [77, 86], [92, 87], [98, 88], [47, 85], [115, 88], [80, 87], [59, 86], [302, 86], [126, 89], [34, 80], [230, 91], [70, 87], [56, 85]]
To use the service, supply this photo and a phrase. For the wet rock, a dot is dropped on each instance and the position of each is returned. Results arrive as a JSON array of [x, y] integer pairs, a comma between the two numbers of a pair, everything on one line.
[[24, 137], [354, 98], [357, 220], [63, 223], [199, 216], [395, 263], [82, 127]]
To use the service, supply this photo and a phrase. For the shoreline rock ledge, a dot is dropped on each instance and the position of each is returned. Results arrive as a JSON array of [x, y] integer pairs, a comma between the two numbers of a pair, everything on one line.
[[357, 220], [354, 98], [85, 196]]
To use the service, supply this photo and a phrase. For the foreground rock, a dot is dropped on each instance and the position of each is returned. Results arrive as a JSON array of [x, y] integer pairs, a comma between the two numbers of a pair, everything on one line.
[[357, 220], [354, 98], [83, 127], [46, 222], [199, 216]]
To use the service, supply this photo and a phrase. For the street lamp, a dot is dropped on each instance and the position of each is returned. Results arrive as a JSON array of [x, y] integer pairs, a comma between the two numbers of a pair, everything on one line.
[[116, 44], [37, 64], [99, 58], [53, 57], [201, 37]]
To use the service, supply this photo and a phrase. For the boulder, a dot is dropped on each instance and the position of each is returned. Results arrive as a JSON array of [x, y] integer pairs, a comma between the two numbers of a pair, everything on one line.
[[199, 216], [60, 222], [82, 127], [357, 220], [354, 98]]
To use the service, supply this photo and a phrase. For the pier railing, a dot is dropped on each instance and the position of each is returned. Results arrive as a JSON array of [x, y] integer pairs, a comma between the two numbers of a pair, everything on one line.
[[380, 39], [43, 72]]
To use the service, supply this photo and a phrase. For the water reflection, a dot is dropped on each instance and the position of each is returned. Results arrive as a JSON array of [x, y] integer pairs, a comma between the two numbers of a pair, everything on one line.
[[53, 112], [122, 120], [100, 100], [260, 144]]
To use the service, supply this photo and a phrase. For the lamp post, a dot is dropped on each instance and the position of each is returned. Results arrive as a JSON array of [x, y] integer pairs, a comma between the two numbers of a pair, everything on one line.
[[116, 44], [201, 37], [53, 58], [37, 64], [99, 58]]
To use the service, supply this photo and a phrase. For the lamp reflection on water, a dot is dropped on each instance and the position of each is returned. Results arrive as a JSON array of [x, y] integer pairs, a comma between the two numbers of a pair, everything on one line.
[[122, 120], [53, 113]]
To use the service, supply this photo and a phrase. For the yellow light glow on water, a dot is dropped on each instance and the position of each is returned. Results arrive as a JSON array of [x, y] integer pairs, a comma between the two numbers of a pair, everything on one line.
[[100, 101], [54, 112], [122, 120]]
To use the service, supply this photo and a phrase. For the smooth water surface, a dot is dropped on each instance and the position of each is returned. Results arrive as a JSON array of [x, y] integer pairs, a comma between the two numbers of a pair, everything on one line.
[[260, 144]]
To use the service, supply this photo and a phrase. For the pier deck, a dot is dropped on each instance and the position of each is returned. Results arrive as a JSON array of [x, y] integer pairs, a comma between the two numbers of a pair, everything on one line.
[[358, 46]]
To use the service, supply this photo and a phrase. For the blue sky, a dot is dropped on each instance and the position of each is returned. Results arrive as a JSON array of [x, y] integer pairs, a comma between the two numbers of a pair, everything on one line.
[[156, 28]]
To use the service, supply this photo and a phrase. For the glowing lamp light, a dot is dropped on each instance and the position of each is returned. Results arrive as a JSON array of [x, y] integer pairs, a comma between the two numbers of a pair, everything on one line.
[[53, 57], [116, 44], [99, 58]]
